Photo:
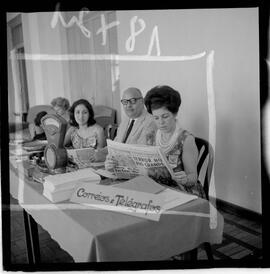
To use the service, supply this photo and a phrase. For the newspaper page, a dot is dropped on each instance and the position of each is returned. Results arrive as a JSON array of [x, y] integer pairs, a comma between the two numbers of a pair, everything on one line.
[[134, 160], [81, 156]]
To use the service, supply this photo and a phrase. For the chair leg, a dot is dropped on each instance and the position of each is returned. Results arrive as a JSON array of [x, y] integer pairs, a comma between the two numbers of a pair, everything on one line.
[[190, 255], [194, 253], [208, 251]]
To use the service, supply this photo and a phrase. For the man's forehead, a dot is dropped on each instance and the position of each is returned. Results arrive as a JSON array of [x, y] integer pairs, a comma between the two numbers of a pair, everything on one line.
[[131, 93]]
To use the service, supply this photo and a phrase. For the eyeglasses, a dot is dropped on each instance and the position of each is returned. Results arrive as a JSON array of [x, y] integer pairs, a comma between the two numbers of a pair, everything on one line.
[[132, 101]]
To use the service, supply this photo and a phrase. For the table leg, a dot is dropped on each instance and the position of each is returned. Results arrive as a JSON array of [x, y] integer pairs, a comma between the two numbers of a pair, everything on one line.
[[32, 240], [28, 238]]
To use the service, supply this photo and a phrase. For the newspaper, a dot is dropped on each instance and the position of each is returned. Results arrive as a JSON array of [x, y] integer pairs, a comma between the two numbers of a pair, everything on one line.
[[134, 160]]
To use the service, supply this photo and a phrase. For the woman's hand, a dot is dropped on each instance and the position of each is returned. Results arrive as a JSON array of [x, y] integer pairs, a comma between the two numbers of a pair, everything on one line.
[[110, 163], [180, 178]]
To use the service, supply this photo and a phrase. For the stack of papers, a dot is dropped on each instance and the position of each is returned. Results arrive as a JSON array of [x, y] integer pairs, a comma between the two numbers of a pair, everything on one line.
[[170, 198], [17, 141], [60, 187], [141, 183], [19, 152], [35, 145], [173, 198], [20, 147], [105, 173]]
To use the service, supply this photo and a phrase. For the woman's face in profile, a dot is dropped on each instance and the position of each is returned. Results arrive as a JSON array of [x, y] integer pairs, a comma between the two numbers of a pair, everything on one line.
[[165, 120], [81, 114]]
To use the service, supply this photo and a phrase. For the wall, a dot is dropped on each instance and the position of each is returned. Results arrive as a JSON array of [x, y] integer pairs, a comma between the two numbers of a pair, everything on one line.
[[46, 79], [233, 36], [92, 79], [73, 79], [11, 90], [14, 85]]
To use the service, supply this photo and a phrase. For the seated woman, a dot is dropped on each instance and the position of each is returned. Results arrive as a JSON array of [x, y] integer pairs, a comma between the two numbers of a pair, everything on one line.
[[84, 132], [36, 130], [177, 143], [61, 106]]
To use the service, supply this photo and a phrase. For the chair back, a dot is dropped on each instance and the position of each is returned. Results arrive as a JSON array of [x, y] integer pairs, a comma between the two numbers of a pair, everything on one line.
[[33, 111], [111, 131], [106, 118], [205, 149]]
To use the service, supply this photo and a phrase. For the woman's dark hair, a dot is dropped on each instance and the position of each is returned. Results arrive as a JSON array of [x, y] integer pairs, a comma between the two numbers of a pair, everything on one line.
[[91, 121], [37, 120], [162, 96]]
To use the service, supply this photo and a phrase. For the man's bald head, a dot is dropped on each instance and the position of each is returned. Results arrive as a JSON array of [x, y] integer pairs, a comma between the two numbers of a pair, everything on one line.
[[132, 92]]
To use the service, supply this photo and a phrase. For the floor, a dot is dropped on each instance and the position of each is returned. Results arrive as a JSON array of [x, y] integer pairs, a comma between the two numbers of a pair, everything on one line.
[[242, 239]]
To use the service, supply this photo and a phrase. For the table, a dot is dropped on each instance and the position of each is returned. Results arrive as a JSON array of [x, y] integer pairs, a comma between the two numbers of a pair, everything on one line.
[[95, 235]]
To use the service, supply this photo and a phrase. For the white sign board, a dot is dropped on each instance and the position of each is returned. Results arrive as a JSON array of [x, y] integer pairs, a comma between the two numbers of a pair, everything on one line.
[[140, 204]]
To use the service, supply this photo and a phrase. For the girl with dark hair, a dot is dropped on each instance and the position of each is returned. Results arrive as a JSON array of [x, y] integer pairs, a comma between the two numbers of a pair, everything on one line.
[[84, 132], [177, 144], [36, 130]]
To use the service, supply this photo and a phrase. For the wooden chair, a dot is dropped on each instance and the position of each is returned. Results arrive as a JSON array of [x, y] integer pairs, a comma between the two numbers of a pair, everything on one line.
[[205, 149], [106, 117], [110, 131]]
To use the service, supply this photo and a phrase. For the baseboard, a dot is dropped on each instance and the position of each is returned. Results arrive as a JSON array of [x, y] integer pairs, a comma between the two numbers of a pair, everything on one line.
[[238, 210]]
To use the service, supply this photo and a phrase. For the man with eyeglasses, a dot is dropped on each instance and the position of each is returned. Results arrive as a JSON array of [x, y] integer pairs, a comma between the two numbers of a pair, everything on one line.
[[138, 127], [142, 124]]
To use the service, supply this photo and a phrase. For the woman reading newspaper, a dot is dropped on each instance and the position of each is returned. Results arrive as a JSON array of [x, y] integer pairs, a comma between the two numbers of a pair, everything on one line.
[[84, 131], [176, 143]]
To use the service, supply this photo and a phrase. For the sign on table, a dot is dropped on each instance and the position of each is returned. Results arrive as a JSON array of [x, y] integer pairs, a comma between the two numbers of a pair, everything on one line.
[[144, 205]]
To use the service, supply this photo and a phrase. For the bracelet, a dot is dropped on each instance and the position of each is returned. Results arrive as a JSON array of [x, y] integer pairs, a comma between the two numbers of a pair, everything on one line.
[[190, 180]]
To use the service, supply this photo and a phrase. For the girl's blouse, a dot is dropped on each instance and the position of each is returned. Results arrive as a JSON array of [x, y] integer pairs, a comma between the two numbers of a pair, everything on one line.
[[80, 142]]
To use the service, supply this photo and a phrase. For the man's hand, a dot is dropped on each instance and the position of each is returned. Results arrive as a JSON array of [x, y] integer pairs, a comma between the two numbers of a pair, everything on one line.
[[180, 177], [110, 163]]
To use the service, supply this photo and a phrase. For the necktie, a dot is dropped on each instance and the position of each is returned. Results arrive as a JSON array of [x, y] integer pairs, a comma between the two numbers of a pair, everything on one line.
[[129, 130]]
